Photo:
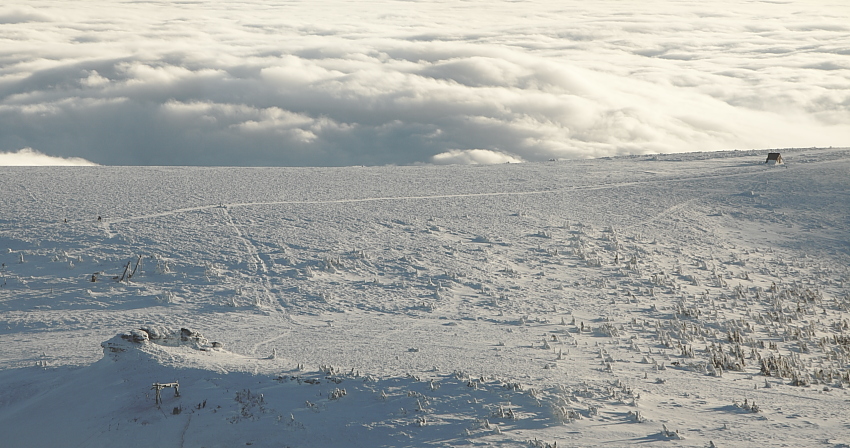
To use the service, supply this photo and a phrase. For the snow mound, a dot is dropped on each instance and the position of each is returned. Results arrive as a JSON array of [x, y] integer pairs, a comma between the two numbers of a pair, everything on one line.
[[299, 406], [181, 347], [162, 336]]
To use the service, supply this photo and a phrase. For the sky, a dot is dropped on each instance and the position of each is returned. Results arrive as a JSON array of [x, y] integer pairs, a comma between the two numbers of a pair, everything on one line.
[[340, 83]]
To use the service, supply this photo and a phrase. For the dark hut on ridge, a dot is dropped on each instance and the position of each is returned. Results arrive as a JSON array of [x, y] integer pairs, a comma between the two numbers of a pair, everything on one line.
[[774, 158]]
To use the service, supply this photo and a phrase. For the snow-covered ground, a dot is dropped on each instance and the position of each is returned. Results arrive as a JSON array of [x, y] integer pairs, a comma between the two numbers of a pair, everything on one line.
[[672, 300]]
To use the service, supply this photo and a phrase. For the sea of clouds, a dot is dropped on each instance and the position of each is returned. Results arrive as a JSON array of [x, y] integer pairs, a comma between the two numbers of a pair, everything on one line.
[[274, 82]]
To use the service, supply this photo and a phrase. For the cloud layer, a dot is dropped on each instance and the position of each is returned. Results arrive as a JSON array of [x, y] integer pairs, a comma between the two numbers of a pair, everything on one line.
[[261, 82], [30, 157]]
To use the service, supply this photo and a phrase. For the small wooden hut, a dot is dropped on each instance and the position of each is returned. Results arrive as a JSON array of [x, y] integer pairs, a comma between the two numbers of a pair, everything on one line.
[[774, 158]]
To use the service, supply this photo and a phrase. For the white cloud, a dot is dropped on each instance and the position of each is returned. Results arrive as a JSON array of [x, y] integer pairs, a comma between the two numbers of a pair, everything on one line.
[[387, 82], [31, 157], [22, 15], [474, 157]]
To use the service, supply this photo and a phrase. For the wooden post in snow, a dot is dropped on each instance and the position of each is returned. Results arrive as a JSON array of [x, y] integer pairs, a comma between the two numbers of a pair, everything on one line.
[[138, 262], [159, 386], [124, 275]]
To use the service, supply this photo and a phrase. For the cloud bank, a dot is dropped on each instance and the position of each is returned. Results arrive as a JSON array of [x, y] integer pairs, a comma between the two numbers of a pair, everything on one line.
[[31, 157], [474, 157], [261, 82]]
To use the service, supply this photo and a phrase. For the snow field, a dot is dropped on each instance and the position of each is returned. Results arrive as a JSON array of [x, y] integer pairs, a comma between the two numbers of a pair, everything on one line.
[[635, 300]]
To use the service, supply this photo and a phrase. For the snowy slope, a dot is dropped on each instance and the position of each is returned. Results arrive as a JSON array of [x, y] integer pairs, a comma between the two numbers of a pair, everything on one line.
[[588, 303]]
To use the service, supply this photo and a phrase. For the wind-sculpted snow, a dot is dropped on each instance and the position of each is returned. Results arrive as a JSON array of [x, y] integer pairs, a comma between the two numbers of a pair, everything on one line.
[[677, 300]]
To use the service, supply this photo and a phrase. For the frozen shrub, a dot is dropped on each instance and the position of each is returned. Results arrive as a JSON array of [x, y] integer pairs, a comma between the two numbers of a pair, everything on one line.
[[670, 434], [336, 394], [566, 415]]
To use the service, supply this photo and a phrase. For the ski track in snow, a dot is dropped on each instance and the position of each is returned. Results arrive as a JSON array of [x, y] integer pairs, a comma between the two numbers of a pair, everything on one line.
[[268, 341], [664, 213], [108, 222], [256, 262]]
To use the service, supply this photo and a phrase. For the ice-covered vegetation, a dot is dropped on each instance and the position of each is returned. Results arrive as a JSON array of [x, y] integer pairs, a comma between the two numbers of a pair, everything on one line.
[[678, 300]]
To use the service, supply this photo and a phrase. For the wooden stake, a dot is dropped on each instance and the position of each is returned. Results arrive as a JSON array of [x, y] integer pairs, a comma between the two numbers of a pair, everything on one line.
[[138, 262], [124, 275]]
